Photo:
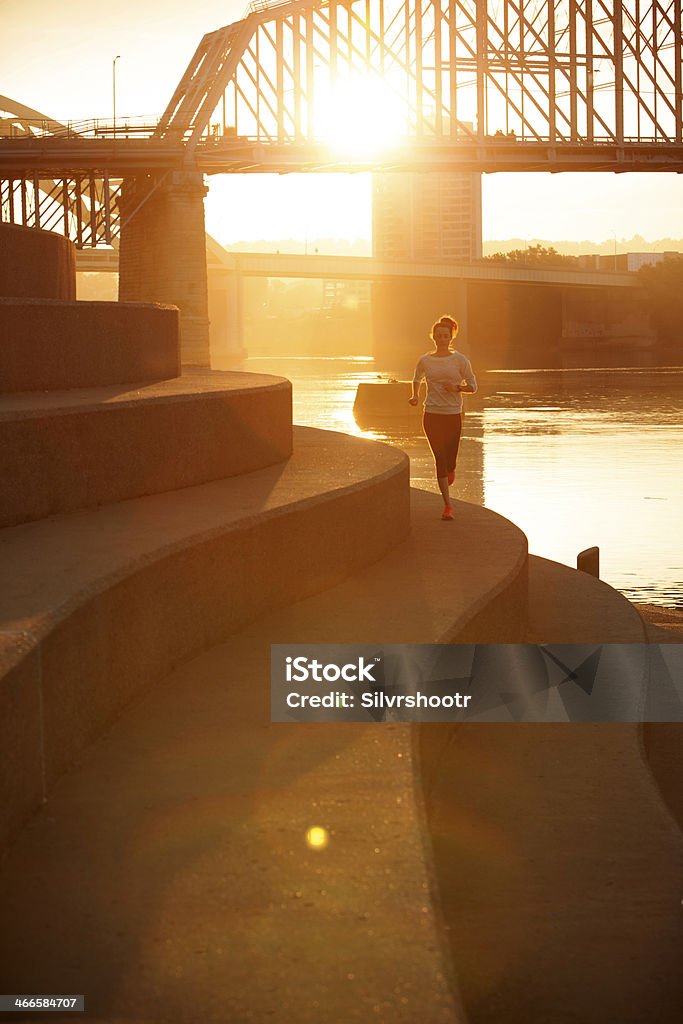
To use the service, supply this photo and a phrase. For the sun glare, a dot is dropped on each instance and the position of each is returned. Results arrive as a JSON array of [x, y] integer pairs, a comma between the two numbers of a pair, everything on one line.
[[360, 115]]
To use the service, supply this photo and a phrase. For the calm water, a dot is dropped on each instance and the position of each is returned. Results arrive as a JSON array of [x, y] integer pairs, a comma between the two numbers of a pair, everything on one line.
[[574, 457]]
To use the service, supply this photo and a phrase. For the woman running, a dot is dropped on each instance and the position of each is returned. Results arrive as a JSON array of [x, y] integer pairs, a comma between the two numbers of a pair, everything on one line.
[[448, 374]]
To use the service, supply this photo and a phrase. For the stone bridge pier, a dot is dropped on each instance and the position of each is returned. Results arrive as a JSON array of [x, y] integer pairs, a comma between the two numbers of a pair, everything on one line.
[[162, 256]]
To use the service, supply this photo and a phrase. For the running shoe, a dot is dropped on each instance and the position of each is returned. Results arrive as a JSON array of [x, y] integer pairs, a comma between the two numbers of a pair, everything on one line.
[[447, 512], [451, 477]]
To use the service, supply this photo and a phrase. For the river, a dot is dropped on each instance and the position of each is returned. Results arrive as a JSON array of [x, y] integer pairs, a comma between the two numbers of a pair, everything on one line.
[[575, 457]]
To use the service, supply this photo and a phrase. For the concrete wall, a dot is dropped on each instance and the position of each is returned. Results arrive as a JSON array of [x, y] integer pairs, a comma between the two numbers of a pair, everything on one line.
[[36, 264], [515, 325], [504, 325], [49, 345], [595, 317]]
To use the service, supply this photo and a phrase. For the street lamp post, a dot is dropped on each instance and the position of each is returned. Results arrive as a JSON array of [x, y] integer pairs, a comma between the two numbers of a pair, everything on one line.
[[113, 86]]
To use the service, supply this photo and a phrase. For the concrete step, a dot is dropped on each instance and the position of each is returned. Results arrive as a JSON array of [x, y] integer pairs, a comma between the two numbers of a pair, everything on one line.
[[97, 605], [53, 346], [567, 606], [557, 852], [171, 869], [67, 450]]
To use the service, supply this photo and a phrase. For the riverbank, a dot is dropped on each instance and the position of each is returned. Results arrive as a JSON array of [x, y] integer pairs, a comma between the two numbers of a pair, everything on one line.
[[536, 452], [169, 876]]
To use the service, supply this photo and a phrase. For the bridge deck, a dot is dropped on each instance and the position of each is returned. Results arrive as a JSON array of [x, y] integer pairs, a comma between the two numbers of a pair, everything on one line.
[[78, 154], [368, 268]]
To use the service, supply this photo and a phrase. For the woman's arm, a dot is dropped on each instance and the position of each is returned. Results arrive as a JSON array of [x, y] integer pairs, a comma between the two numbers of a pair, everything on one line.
[[417, 378], [470, 378]]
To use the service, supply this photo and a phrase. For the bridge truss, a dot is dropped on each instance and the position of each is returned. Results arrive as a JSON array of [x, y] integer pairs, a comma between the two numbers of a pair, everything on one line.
[[476, 85], [81, 205], [550, 71]]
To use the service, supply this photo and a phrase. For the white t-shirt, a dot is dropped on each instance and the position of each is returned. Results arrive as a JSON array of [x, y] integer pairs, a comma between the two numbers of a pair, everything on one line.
[[439, 371]]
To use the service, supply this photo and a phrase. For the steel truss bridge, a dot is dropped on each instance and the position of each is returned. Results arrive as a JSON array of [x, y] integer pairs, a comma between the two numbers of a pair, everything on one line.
[[471, 85]]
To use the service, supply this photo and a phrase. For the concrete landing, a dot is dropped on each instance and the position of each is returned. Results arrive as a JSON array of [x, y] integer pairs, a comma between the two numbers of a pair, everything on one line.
[[169, 878], [558, 856], [67, 450]]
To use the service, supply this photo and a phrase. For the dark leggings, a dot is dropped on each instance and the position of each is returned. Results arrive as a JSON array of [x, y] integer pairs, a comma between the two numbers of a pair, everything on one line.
[[443, 434]]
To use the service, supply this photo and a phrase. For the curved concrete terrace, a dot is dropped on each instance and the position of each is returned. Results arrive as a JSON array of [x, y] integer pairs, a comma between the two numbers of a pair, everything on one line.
[[67, 450], [98, 604], [36, 263], [168, 876], [557, 857], [227, 916]]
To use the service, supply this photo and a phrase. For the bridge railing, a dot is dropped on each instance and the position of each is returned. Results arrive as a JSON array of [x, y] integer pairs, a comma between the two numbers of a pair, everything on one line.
[[90, 128], [258, 6], [102, 128]]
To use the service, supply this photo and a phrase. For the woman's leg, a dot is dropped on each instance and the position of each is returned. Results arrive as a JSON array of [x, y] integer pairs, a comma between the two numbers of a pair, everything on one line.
[[438, 431], [453, 443]]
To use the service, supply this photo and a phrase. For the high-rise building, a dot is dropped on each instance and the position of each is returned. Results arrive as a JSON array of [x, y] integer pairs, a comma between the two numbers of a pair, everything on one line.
[[432, 215]]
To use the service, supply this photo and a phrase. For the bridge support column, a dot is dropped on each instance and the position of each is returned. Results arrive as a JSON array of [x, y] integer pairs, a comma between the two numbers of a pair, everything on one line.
[[226, 310], [403, 311], [162, 256]]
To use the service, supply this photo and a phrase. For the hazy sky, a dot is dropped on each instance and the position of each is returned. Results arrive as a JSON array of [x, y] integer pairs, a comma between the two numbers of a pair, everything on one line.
[[57, 57]]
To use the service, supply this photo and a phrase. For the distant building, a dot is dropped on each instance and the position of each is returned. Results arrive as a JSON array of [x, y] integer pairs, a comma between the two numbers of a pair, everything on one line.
[[623, 262], [434, 215], [345, 296], [636, 260]]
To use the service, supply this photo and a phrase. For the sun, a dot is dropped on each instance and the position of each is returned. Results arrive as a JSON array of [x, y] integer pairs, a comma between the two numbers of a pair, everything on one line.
[[360, 115]]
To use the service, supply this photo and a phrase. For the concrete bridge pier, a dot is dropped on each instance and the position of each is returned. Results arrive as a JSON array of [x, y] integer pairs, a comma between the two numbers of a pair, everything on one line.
[[403, 311], [226, 313], [162, 256]]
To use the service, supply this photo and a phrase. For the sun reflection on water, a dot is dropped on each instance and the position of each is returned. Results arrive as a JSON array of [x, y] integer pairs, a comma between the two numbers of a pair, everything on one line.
[[575, 458]]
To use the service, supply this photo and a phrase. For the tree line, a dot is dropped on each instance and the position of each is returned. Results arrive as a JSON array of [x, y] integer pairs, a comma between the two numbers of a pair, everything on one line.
[[663, 286]]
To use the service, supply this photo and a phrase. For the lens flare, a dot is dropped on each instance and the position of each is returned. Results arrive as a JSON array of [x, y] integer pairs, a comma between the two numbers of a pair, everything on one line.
[[317, 838]]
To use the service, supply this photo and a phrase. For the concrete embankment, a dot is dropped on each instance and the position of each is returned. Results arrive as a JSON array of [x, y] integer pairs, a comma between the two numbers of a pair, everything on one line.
[[99, 604], [169, 877], [557, 851]]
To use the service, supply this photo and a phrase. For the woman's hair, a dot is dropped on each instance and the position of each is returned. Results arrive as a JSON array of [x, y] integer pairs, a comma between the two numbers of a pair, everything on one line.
[[445, 321]]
